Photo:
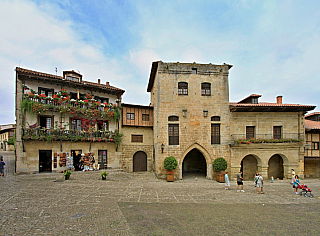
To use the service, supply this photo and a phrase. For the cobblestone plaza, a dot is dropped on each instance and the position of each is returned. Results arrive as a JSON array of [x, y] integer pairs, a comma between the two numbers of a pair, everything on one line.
[[141, 204]]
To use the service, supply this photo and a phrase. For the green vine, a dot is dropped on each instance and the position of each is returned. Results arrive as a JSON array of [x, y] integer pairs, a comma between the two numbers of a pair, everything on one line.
[[118, 136]]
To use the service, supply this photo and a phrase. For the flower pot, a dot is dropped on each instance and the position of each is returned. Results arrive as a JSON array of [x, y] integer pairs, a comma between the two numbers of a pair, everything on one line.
[[170, 178], [220, 178], [103, 177], [66, 177]]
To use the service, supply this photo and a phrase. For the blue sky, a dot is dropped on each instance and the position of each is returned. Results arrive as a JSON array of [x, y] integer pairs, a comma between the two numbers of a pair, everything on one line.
[[273, 45]]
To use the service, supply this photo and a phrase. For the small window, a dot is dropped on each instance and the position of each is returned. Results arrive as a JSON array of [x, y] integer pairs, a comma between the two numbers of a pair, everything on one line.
[[103, 125], [277, 132], [254, 100], [206, 89], [215, 133], [76, 125], [173, 118], [130, 116], [183, 88], [135, 138], [250, 132], [215, 118], [72, 78], [173, 134], [315, 146], [145, 117], [194, 71]]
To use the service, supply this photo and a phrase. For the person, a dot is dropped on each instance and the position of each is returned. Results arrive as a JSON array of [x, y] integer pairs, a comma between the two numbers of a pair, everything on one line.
[[2, 165], [259, 184], [271, 179], [293, 174], [226, 178], [239, 182], [255, 178], [296, 183]]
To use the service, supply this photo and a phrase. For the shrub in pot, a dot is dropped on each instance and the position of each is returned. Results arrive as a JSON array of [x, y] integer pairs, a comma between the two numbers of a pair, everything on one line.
[[104, 175], [170, 163], [220, 164], [67, 174]]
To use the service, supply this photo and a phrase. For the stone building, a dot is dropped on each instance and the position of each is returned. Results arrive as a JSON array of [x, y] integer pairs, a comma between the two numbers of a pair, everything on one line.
[[62, 118], [189, 117], [312, 155], [194, 121], [6, 134]]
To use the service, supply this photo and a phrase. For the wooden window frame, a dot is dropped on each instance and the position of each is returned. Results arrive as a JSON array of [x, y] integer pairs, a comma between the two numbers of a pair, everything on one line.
[[205, 89], [173, 133], [145, 117], [136, 138], [250, 132], [277, 132], [182, 88], [130, 116], [215, 134], [315, 146]]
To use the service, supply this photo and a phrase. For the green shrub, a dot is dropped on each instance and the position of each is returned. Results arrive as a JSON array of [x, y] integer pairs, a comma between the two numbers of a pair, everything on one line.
[[170, 163], [220, 164]]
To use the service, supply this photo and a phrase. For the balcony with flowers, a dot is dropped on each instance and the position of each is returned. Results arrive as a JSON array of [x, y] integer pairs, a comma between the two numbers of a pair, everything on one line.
[[61, 102]]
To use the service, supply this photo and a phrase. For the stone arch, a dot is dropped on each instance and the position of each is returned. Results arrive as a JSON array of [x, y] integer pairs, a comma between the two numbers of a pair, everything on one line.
[[249, 165], [205, 155], [140, 161], [276, 165]]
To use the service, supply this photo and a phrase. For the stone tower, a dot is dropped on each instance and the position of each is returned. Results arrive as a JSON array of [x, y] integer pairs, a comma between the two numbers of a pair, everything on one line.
[[191, 115]]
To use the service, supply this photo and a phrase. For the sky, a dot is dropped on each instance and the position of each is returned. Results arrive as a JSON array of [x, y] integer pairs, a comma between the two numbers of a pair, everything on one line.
[[273, 45]]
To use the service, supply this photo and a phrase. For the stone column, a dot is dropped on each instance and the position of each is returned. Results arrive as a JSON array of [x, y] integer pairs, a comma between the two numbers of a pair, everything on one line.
[[180, 171], [234, 171], [209, 171], [263, 170]]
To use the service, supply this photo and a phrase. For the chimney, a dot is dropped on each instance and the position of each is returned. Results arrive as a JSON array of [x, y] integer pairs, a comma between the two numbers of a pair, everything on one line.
[[279, 99], [107, 83], [98, 81]]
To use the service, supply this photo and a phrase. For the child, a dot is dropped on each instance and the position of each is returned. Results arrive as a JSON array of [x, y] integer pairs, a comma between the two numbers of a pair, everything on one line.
[[271, 179], [226, 178], [296, 184]]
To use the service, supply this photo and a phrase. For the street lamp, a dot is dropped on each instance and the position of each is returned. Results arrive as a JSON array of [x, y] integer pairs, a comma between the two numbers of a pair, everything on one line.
[[162, 147]]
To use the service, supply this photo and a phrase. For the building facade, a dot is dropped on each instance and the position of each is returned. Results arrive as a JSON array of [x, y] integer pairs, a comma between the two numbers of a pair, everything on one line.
[[189, 117], [6, 137]]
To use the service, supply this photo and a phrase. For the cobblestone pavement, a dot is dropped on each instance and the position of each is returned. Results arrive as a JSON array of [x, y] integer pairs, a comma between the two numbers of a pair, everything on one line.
[[141, 204]]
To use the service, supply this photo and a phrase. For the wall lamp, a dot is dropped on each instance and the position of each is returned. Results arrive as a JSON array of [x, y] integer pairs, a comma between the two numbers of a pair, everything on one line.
[[162, 147], [205, 113]]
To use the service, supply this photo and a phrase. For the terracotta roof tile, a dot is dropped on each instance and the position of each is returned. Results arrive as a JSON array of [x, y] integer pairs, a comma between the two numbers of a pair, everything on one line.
[[312, 114], [310, 124], [36, 73]]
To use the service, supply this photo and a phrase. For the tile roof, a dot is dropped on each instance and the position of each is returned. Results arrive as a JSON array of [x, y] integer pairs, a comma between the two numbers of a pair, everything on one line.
[[271, 107], [312, 114], [310, 124], [250, 96], [45, 75]]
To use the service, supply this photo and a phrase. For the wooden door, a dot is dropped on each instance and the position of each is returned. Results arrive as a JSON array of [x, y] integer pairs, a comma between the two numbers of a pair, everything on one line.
[[140, 161]]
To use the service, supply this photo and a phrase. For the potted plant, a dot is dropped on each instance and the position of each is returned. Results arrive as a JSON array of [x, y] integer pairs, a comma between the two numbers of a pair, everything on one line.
[[170, 163], [104, 175], [220, 164], [67, 174]]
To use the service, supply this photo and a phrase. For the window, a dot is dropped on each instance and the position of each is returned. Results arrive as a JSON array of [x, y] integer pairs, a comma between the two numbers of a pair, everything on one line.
[[206, 89], [194, 71], [183, 88], [250, 132], [173, 134], [215, 133], [130, 116], [315, 146], [215, 118], [254, 100], [145, 117], [173, 118], [45, 122], [76, 125], [102, 99], [135, 138], [277, 132], [73, 78], [103, 125], [45, 91]]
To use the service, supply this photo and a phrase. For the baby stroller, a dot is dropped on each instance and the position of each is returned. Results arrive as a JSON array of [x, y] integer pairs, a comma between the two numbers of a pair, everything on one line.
[[305, 190]]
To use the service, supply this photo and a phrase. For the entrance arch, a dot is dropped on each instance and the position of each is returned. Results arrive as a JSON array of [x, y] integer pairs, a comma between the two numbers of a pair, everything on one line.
[[139, 161], [249, 166], [194, 164], [275, 165]]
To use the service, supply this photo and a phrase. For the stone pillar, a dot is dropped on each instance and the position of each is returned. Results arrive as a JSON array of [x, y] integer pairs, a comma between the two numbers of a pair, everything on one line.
[[263, 170], [180, 170], [234, 171]]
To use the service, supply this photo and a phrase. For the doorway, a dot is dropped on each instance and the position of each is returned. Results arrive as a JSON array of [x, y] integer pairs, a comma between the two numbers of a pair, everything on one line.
[[249, 166], [76, 155], [102, 159], [139, 161], [275, 167], [194, 164], [45, 160]]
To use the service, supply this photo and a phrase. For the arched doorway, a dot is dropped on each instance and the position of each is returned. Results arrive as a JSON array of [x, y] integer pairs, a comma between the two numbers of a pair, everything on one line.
[[275, 167], [249, 166], [194, 164], [139, 161]]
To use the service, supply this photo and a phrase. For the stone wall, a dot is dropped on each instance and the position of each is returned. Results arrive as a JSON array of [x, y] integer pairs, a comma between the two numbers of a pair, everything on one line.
[[312, 168]]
